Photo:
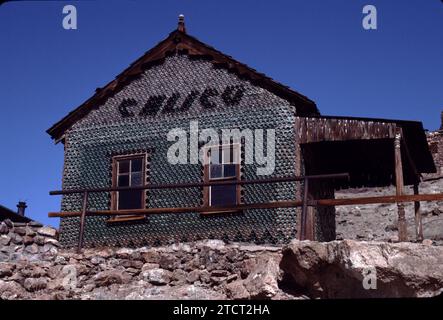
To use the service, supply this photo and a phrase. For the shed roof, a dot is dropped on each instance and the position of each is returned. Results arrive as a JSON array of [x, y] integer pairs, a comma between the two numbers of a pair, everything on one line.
[[6, 213]]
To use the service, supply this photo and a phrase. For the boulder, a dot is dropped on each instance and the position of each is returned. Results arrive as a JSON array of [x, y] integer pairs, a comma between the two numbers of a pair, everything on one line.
[[3, 228], [262, 282], [35, 284], [33, 248], [27, 240], [106, 278], [10, 290], [157, 276], [47, 231], [20, 231], [193, 276], [236, 290], [6, 269], [8, 223], [4, 240], [352, 269]]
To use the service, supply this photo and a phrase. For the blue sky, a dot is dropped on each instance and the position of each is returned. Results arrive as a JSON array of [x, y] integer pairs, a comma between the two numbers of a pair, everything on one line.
[[317, 47]]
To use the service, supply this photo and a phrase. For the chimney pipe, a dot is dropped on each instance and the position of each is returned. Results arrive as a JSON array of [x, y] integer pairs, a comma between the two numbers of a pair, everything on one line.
[[21, 206], [181, 23]]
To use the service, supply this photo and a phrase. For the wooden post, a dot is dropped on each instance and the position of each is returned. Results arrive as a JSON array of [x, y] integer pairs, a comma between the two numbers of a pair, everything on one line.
[[304, 212], [82, 221], [402, 227], [418, 220]]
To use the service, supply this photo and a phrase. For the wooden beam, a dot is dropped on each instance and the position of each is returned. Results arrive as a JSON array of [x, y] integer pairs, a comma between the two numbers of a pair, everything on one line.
[[270, 205], [203, 210], [377, 200], [399, 184]]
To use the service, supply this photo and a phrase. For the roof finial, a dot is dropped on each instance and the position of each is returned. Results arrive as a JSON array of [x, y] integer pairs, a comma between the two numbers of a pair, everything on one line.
[[181, 23]]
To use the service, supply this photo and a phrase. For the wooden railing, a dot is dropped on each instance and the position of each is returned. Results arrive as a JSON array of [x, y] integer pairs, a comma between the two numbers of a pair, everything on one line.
[[304, 202]]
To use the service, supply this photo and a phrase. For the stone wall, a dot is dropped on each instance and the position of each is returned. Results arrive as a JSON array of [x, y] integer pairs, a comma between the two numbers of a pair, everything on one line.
[[17, 239], [435, 141], [211, 269]]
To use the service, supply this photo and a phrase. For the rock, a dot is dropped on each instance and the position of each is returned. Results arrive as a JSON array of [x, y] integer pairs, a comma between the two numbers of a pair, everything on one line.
[[236, 290], [3, 228], [4, 240], [129, 263], [35, 284], [20, 231], [262, 282], [212, 244], [205, 276], [339, 269], [11, 290], [158, 276], [51, 241], [96, 260], [231, 278], [106, 278], [167, 262], [193, 276], [151, 257], [148, 266], [40, 240], [179, 276], [33, 249], [16, 239], [33, 271], [27, 240], [124, 253], [30, 232], [219, 273], [6, 269], [8, 223], [47, 231]]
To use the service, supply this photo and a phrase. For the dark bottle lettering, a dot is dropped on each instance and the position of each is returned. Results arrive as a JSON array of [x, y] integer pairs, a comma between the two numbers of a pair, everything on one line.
[[233, 95], [123, 107], [190, 98], [205, 98], [153, 105], [170, 103]]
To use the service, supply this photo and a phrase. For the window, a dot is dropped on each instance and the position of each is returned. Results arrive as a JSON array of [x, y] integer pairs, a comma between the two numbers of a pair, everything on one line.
[[222, 164], [128, 171]]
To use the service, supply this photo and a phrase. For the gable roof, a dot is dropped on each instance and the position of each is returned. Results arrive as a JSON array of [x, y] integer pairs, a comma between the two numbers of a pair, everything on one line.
[[180, 42]]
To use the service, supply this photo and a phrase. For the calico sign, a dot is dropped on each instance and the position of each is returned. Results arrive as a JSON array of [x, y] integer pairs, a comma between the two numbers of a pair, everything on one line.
[[231, 96]]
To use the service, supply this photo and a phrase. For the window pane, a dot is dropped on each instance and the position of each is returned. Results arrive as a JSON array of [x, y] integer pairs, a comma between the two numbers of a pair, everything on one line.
[[130, 199], [123, 166], [123, 180], [228, 154], [216, 171], [229, 170], [136, 165], [216, 155], [223, 195], [136, 179]]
